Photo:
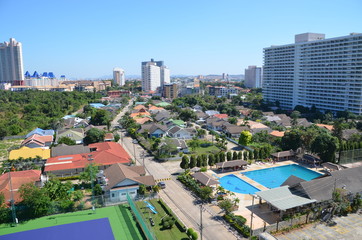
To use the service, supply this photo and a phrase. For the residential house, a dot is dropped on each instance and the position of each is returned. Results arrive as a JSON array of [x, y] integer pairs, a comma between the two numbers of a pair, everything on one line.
[[325, 126], [221, 116], [100, 127], [155, 110], [26, 152], [215, 124], [162, 116], [37, 141], [197, 108], [143, 120], [348, 133], [171, 122], [139, 114], [303, 122], [256, 127], [10, 183], [109, 137], [140, 108], [280, 119], [182, 133], [122, 180], [153, 130], [40, 132], [277, 134], [102, 154], [179, 143], [234, 131], [76, 134], [63, 149], [211, 112]]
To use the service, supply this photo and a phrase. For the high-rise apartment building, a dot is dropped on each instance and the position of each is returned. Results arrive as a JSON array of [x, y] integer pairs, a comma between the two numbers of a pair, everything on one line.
[[253, 77], [170, 90], [11, 62], [326, 73], [154, 75], [118, 76]]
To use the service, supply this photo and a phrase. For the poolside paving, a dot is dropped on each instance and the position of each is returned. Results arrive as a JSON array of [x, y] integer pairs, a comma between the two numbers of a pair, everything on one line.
[[262, 216], [349, 227]]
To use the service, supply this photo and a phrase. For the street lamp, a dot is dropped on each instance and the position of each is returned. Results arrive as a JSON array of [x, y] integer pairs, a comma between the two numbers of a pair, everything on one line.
[[90, 159]]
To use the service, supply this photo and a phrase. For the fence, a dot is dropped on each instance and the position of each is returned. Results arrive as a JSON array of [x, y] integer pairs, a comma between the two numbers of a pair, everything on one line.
[[350, 156], [146, 228]]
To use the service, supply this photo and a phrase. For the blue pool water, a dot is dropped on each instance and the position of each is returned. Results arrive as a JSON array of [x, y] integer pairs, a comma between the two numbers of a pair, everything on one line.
[[235, 184], [274, 177]]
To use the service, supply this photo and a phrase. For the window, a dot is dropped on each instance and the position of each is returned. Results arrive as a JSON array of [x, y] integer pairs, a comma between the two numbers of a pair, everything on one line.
[[132, 192], [112, 195], [123, 194]]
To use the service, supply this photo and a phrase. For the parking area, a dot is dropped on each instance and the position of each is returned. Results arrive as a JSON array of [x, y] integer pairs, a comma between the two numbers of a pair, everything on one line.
[[345, 228]]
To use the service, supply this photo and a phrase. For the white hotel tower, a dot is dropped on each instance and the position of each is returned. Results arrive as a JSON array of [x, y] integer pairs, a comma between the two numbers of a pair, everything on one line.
[[316, 71], [154, 75], [11, 62]]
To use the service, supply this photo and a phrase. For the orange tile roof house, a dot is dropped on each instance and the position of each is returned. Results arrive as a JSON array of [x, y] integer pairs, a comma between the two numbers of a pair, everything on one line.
[[17, 179], [35, 141], [103, 154], [221, 116], [328, 127]]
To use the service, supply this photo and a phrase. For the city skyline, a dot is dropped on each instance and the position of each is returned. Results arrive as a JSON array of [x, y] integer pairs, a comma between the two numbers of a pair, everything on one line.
[[87, 40]]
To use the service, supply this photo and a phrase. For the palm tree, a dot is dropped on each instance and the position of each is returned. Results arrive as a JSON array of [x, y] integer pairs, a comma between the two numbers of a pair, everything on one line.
[[156, 188]]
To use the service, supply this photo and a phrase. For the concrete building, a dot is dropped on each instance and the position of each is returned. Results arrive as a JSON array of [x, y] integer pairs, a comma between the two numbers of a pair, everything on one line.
[[154, 75], [118, 76], [11, 62], [316, 71], [170, 90], [253, 77]]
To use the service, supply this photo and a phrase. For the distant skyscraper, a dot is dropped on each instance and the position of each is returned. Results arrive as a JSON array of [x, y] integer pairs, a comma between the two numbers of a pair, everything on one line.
[[326, 73], [154, 75], [253, 77], [118, 76], [11, 62]]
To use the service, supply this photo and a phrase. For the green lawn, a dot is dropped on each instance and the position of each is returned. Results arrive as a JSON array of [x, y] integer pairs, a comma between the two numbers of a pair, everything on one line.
[[161, 234], [5, 145], [120, 218], [205, 150]]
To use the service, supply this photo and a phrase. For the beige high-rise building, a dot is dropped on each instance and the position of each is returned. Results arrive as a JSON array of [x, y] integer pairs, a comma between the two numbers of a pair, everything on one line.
[[118, 76], [170, 90], [11, 62]]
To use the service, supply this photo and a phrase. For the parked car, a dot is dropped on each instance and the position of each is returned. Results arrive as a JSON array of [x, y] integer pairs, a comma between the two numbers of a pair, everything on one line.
[[162, 185]]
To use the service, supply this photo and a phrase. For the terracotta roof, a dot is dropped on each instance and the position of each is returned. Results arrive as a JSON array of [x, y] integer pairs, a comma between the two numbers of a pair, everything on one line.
[[328, 127], [138, 107], [26, 152], [155, 108], [277, 133], [139, 114], [108, 136], [222, 116], [119, 172], [40, 140], [105, 153], [143, 120], [17, 179]]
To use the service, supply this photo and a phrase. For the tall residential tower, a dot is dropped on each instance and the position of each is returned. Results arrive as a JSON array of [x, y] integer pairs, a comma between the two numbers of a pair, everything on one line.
[[118, 76], [11, 62], [154, 75], [316, 71], [253, 77]]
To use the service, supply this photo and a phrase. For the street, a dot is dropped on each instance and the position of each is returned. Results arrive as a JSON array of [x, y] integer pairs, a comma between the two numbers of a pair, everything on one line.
[[177, 198]]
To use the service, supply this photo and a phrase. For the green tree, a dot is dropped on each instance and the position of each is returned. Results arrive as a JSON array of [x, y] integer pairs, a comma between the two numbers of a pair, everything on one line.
[[78, 195], [94, 135], [251, 155], [57, 190], [100, 117], [4, 210], [245, 155], [199, 161], [89, 173], [187, 115], [245, 138], [97, 190], [325, 146], [185, 162], [193, 161], [229, 156], [116, 137], [226, 205], [211, 160], [233, 120], [240, 155], [66, 140], [193, 144], [36, 200], [292, 140], [235, 155], [205, 193], [221, 157]]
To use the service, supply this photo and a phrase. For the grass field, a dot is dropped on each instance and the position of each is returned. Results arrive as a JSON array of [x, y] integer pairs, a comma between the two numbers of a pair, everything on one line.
[[161, 234], [123, 225], [5, 145], [205, 150]]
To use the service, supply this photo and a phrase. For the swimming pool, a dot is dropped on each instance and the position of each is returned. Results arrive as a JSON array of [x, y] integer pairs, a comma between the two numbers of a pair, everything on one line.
[[235, 184], [275, 176]]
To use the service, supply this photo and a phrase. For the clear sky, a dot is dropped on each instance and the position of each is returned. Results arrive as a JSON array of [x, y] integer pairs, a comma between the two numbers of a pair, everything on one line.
[[88, 38]]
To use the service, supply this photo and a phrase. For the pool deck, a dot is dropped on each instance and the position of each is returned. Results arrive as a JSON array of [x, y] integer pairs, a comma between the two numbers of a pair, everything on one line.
[[262, 215]]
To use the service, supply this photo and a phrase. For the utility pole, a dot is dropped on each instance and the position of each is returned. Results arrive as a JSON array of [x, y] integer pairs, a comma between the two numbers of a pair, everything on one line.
[[134, 150], [201, 227]]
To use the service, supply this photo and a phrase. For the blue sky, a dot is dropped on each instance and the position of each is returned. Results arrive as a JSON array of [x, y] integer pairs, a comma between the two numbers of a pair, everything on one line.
[[87, 38]]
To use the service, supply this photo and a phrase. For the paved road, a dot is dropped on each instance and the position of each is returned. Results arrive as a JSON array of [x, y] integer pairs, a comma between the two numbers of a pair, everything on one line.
[[178, 199]]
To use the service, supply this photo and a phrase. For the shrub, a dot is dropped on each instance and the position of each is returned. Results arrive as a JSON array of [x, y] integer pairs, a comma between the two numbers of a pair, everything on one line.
[[203, 169], [68, 178], [168, 222]]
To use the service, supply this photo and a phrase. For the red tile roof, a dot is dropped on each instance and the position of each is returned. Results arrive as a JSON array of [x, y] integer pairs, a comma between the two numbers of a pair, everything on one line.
[[17, 179], [106, 153], [40, 140], [221, 116]]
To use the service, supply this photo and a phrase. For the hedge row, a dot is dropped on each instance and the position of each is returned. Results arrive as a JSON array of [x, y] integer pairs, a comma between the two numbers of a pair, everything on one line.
[[179, 225], [237, 222], [68, 178]]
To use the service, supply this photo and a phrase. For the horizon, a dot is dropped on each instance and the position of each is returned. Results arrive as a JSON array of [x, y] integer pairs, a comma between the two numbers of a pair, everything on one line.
[[87, 40]]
